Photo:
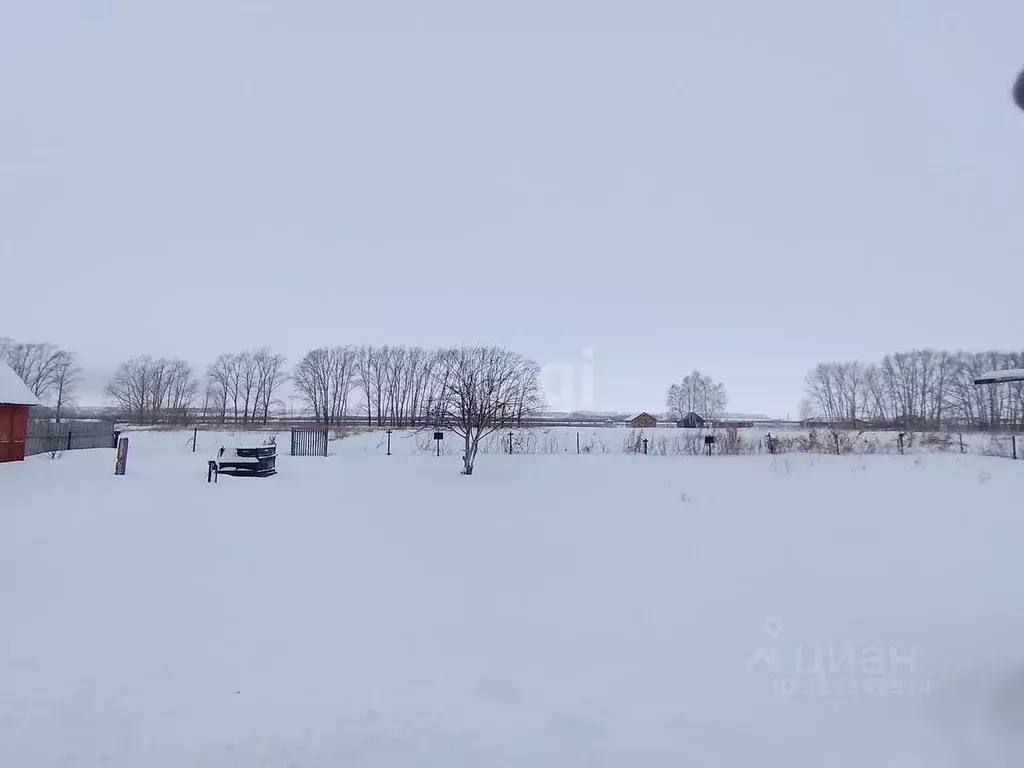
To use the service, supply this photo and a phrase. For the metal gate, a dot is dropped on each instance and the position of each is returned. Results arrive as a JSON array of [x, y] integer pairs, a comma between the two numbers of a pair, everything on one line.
[[309, 442]]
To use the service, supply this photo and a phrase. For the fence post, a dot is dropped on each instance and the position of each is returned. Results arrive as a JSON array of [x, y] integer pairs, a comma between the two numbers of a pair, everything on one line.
[[900, 438], [836, 436], [577, 443], [389, 442], [645, 446], [122, 456], [115, 435], [961, 442], [326, 438], [1014, 442], [69, 437], [195, 438], [510, 443]]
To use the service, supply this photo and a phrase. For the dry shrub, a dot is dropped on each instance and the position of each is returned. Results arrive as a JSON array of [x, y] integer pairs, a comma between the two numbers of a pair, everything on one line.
[[786, 444], [634, 442], [809, 443], [594, 445], [729, 442], [548, 444], [936, 441]]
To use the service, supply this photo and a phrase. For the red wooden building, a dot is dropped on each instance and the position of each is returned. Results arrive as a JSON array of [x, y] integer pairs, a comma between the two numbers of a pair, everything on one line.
[[15, 400]]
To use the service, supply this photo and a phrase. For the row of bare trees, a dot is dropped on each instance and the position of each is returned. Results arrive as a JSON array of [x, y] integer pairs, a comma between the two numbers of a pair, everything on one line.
[[245, 385], [148, 390], [388, 386], [918, 389], [242, 385], [50, 372]]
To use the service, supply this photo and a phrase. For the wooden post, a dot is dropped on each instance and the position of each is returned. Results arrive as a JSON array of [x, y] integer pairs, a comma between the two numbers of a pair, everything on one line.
[[326, 440], [69, 437], [577, 443], [900, 438], [195, 438], [389, 442], [961, 442], [122, 456], [509, 443], [1014, 441]]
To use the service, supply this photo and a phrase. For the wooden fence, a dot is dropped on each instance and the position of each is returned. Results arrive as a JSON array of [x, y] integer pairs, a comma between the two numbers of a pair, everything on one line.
[[46, 436]]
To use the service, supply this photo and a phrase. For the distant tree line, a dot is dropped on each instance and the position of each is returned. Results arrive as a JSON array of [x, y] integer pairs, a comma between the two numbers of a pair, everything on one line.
[[919, 389], [385, 385], [403, 386], [388, 385], [407, 386], [51, 373]]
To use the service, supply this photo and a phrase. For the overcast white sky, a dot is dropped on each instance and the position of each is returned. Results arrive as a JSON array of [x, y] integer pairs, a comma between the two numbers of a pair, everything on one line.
[[746, 188]]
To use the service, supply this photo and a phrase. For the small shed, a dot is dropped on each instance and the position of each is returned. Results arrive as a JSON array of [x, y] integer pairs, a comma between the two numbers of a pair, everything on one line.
[[643, 421], [15, 400], [692, 420]]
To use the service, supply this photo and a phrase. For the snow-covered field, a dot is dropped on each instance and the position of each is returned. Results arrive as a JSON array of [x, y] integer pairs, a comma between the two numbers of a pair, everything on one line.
[[602, 610], [671, 441]]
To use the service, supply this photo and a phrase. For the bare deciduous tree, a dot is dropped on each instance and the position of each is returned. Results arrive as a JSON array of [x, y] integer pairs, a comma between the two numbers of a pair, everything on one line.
[[50, 372], [485, 389], [213, 398], [270, 376], [371, 363], [224, 375], [36, 364], [67, 375], [699, 394]]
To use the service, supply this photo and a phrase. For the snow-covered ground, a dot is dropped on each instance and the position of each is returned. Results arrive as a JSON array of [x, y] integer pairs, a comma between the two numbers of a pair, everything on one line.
[[602, 610], [663, 441]]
